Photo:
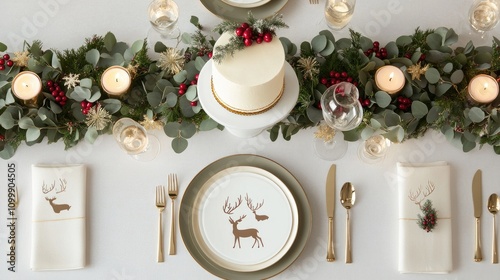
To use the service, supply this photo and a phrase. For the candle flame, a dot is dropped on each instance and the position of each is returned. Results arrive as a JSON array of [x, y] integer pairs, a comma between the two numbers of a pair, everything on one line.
[[25, 85], [485, 86], [391, 76]]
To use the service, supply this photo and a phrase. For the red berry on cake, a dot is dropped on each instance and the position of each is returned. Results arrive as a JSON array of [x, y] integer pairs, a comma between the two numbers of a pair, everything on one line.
[[248, 33], [248, 42], [245, 25], [268, 37], [10, 63], [6, 56], [259, 40], [239, 31]]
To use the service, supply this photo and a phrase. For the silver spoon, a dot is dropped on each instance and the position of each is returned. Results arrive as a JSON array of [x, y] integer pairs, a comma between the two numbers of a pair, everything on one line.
[[494, 207], [347, 199]]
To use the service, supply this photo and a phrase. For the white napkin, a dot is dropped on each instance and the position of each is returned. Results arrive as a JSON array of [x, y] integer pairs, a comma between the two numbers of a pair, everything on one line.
[[58, 217], [421, 251]]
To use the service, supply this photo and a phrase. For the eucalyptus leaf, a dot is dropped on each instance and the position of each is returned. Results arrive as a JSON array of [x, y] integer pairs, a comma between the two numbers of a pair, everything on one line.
[[180, 77], [432, 75], [392, 50], [383, 99], [3, 47], [483, 57], [208, 124], [192, 93], [179, 144], [367, 132], [314, 114], [391, 118], [109, 41], [395, 134], [137, 46], [476, 115], [467, 145], [112, 105], [305, 47], [434, 41], [404, 40], [91, 135], [86, 83], [433, 114], [287, 44], [451, 37], [319, 43], [469, 47], [419, 109], [32, 134], [128, 55], [9, 97], [55, 108], [412, 126], [448, 67], [351, 135], [55, 62], [8, 151], [6, 120], [26, 122], [154, 98], [171, 99], [343, 43], [434, 56], [329, 35], [171, 129], [328, 50], [365, 43], [187, 129], [95, 97], [274, 132], [186, 108], [92, 57], [199, 63], [457, 76], [375, 124], [79, 93]]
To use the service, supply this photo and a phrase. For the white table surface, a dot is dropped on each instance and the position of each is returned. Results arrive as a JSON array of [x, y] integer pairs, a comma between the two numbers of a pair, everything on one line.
[[122, 220]]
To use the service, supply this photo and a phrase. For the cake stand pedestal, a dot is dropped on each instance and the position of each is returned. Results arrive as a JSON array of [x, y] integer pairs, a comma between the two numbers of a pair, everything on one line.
[[246, 126]]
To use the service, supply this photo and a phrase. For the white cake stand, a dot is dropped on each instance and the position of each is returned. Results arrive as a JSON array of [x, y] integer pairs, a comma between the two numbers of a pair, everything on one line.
[[246, 126]]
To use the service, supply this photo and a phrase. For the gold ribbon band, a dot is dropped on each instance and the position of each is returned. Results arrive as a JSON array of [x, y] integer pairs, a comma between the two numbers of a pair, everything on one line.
[[57, 220]]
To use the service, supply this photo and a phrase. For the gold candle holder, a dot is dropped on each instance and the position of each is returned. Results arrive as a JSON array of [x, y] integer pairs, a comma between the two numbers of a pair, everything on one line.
[[27, 86], [390, 79], [482, 89], [116, 81]]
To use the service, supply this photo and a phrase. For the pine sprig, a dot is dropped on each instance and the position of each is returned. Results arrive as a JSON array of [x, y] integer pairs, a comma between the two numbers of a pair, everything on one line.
[[258, 26], [427, 221]]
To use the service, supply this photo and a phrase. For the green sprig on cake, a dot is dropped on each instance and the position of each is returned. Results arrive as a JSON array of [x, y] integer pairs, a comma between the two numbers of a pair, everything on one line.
[[246, 33]]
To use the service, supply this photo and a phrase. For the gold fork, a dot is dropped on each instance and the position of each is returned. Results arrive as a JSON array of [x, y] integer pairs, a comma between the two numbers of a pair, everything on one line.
[[173, 190], [160, 204], [313, 1]]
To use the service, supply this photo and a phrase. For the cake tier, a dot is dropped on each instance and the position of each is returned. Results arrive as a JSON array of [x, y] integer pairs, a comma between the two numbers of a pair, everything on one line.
[[252, 80]]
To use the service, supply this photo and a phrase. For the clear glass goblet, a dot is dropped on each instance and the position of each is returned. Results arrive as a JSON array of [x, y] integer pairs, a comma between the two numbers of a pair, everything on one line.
[[483, 15], [342, 111], [163, 16], [373, 149], [133, 139]]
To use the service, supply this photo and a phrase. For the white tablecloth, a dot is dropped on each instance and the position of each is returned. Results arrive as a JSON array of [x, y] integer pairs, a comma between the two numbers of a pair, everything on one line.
[[121, 216]]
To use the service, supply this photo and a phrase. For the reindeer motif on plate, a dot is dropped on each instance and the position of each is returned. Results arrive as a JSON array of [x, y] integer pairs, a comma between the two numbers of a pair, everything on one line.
[[62, 187], [255, 208], [241, 233]]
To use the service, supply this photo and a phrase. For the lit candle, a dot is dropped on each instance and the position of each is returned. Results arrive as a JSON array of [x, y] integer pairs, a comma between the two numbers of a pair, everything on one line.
[[483, 89], [389, 79], [26, 85], [116, 80]]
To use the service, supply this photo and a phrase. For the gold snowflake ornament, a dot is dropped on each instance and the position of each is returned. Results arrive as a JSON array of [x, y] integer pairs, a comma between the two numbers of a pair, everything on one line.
[[71, 81], [417, 70], [309, 67], [171, 61], [98, 118], [151, 124], [324, 132], [21, 58]]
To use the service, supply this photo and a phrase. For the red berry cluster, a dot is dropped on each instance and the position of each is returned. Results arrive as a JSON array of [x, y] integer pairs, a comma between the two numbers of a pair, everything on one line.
[[379, 52], [428, 222], [183, 87], [404, 103], [249, 35], [365, 102], [5, 61], [2, 137], [204, 51], [57, 92], [337, 77], [421, 58], [86, 106]]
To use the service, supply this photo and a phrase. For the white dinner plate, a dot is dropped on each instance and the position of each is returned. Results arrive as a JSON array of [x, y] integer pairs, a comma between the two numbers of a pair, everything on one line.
[[238, 14], [246, 3], [191, 231], [246, 220]]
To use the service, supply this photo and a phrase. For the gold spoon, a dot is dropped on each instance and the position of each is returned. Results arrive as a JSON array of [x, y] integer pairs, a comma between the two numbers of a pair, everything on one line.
[[493, 207], [347, 199]]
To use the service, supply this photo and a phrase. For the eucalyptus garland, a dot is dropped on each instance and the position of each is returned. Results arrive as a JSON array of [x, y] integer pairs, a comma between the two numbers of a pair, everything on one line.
[[163, 93]]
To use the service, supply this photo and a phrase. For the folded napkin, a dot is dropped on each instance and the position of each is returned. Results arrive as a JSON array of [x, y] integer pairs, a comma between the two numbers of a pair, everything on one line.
[[58, 217], [421, 251]]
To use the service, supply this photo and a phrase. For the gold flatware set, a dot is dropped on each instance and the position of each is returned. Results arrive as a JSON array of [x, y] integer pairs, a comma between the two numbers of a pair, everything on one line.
[[161, 203], [347, 199], [493, 206]]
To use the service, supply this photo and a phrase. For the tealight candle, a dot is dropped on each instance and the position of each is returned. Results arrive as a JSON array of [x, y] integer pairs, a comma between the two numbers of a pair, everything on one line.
[[483, 89], [26, 85], [116, 80], [389, 79]]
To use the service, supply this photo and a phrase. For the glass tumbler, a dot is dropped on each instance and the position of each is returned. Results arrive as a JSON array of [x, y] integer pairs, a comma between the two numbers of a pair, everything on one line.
[[338, 13]]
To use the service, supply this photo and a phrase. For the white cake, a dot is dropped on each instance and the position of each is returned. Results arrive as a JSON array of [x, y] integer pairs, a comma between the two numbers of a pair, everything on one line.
[[252, 80]]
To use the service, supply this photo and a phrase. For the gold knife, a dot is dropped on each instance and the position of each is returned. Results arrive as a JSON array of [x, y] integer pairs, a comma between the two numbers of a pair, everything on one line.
[[477, 199], [330, 210]]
